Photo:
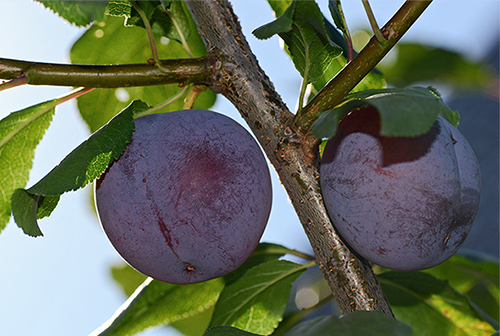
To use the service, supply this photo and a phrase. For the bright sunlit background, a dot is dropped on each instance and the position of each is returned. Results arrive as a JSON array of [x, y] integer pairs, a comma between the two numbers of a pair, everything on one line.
[[61, 284]]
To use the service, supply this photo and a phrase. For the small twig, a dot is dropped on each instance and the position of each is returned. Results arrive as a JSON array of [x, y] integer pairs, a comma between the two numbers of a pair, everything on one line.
[[193, 93], [188, 71], [373, 22]]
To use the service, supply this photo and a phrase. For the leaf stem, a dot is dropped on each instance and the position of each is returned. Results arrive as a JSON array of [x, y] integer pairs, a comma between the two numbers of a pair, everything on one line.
[[363, 63], [23, 80], [305, 79], [299, 268], [151, 36], [181, 35], [373, 22], [303, 88], [302, 255]]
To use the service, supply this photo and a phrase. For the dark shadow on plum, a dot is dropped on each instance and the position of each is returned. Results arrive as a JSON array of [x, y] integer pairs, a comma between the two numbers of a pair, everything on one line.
[[366, 120]]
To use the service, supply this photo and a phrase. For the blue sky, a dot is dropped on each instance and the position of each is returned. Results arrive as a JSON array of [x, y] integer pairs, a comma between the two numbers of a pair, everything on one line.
[[60, 284]]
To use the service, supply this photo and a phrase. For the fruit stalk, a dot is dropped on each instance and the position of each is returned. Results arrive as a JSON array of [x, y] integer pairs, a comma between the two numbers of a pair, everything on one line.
[[240, 79]]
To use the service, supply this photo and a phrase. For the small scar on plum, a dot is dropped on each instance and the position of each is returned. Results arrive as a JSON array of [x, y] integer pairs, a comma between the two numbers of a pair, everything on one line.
[[144, 180], [446, 239], [189, 268]]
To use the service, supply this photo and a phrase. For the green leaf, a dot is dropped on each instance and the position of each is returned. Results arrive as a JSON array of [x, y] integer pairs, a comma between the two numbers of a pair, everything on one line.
[[477, 280], [20, 133], [311, 50], [422, 63], [27, 206], [282, 24], [366, 323], [430, 306], [374, 79], [227, 331], [110, 42], [339, 39], [161, 15], [257, 300], [403, 112], [77, 12], [83, 165], [148, 6], [127, 277], [163, 23], [263, 253], [157, 303], [335, 8], [194, 325], [119, 8], [129, 280]]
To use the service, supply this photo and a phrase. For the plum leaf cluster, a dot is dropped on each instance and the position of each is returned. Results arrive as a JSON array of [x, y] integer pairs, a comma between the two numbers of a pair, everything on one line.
[[302, 28]]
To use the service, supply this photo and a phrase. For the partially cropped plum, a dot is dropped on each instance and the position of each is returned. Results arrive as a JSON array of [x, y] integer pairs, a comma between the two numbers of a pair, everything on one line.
[[189, 198], [403, 203]]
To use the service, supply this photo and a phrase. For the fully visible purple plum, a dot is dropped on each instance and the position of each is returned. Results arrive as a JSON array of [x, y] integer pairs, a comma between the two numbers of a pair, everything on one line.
[[403, 203], [189, 198]]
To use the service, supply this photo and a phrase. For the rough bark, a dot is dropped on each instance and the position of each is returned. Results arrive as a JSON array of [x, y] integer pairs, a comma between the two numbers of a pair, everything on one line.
[[237, 75]]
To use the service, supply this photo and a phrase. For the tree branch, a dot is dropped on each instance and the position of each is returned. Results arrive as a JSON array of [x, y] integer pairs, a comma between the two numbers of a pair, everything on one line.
[[239, 78], [363, 63], [192, 70]]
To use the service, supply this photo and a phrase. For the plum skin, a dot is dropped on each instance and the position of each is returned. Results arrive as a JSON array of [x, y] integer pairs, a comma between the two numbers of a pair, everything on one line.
[[403, 203], [189, 198]]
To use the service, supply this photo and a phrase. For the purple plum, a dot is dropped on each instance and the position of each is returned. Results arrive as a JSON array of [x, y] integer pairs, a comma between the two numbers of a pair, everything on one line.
[[404, 203], [189, 198]]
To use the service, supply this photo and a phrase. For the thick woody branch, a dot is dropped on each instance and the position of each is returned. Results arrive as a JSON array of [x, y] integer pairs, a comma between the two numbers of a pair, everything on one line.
[[107, 76], [238, 76]]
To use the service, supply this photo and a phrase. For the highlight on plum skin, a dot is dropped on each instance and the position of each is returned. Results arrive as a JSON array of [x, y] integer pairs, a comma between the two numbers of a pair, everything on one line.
[[403, 203], [189, 198]]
